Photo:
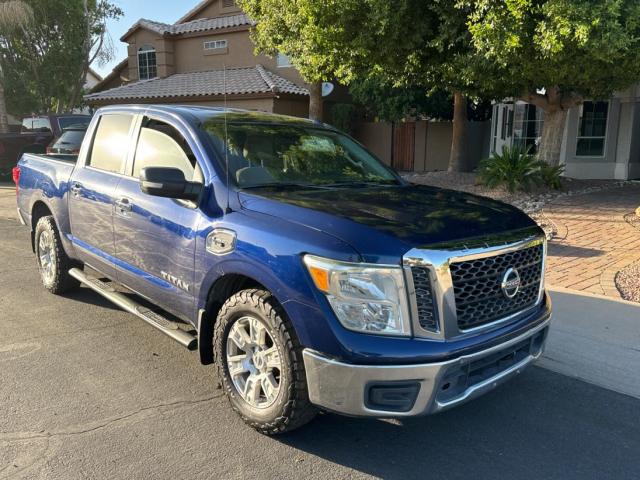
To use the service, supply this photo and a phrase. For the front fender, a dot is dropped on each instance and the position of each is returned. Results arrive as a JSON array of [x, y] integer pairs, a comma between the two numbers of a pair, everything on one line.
[[269, 251]]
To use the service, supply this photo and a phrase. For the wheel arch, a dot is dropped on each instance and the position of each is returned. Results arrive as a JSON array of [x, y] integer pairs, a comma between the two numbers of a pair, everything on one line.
[[220, 291], [38, 210]]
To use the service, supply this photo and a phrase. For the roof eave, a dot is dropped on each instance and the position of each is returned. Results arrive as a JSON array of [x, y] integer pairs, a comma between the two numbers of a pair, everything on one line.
[[188, 98]]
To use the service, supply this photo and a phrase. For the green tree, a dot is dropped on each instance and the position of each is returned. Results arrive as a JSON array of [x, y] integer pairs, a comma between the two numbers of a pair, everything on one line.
[[45, 64], [383, 100], [556, 53], [14, 15], [411, 42]]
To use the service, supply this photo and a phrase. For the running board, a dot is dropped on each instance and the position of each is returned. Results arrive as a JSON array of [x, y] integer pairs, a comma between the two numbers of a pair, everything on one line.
[[154, 319]]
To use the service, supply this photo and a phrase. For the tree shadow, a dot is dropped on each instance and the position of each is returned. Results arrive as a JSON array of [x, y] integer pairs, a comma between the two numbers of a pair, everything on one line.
[[88, 296], [573, 251], [540, 425]]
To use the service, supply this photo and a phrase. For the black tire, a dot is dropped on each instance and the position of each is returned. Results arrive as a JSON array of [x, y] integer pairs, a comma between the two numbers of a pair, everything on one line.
[[57, 280], [291, 408]]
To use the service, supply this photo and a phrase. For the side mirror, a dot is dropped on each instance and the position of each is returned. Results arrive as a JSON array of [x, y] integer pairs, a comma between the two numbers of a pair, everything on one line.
[[168, 182]]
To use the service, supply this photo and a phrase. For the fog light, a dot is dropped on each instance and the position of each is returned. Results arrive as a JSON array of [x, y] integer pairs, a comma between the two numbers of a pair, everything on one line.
[[391, 397]]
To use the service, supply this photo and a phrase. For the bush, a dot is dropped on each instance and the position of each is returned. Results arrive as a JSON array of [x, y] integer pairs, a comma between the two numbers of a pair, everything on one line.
[[514, 168], [550, 176], [517, 169], [343, 116]]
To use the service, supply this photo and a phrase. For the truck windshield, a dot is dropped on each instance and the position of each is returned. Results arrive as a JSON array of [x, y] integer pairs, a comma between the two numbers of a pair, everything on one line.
[[264, 155]]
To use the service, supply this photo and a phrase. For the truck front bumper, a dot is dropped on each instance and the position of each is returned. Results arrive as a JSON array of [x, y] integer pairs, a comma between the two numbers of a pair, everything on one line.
[[409, 390]]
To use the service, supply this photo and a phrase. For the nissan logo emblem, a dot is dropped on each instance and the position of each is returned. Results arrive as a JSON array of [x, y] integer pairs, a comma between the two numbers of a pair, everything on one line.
[[510, 283]]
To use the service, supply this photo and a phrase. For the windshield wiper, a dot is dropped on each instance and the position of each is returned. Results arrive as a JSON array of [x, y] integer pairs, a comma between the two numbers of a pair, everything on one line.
[[390, 183], [281, 185]]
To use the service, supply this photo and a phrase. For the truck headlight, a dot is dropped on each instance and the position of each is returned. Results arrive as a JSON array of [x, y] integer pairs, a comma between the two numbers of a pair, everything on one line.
[[365, 297]]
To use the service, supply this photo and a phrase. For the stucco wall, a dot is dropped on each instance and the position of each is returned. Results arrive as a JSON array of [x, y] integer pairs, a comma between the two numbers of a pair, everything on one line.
[[190, 55], [592, 166], [215, 9], [297, 107], [165, 56], [259, 104]]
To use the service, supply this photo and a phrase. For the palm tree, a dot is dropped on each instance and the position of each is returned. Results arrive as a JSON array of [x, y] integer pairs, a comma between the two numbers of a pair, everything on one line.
[[14, 14]]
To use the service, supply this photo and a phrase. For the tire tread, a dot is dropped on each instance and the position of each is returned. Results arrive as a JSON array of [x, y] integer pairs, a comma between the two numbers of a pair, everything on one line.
[[298, 410]]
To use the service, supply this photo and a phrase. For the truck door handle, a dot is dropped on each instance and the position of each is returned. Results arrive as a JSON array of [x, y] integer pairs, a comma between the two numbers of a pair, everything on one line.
[[76, 188], [123, 205]]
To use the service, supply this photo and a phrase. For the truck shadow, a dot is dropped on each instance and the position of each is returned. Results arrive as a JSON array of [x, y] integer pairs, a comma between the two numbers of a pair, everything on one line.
[[540, 425]]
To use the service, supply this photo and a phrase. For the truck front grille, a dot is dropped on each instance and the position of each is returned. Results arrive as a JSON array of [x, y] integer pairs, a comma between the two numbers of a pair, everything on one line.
[[478, 291], [424, 299]]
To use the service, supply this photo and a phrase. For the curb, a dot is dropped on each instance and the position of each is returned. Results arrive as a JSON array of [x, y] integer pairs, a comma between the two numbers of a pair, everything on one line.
[[597, 296]]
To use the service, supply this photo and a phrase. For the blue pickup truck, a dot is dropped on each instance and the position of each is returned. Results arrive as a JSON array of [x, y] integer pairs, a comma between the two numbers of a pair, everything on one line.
[[310, 274]]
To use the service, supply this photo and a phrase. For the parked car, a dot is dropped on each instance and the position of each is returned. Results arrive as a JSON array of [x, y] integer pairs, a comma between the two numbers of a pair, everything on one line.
[[36, 133], [68, 143], [310, 273]]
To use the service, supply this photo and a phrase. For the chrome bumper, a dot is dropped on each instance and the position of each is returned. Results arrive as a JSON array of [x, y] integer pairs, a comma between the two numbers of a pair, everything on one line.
[[345, 388]]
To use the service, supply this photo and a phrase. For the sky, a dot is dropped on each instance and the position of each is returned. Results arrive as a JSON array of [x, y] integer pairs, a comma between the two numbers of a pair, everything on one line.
[[167, 11]]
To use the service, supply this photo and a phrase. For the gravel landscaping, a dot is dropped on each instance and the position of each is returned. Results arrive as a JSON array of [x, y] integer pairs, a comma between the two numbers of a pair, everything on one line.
[[530, 202], [628, 279]]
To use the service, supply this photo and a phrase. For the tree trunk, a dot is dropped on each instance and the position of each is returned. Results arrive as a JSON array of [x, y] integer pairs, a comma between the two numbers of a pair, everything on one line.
[[4, 119], [458, 156], [552, 133], [315, 101]]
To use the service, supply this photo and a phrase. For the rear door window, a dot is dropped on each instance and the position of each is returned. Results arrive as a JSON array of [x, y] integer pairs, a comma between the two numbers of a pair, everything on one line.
[[111, 143]]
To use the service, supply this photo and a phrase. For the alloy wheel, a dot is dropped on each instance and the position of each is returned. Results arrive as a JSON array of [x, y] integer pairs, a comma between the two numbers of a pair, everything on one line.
[[253, 362]]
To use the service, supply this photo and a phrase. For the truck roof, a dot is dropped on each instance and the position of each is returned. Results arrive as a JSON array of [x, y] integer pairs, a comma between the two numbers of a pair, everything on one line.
[[205, 113]]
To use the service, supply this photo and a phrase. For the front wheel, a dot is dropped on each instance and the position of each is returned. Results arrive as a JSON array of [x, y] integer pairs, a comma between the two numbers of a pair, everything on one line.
[[259, 362], [53, 262]]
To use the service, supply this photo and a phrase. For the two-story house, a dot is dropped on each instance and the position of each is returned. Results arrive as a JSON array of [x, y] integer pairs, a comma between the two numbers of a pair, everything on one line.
[[196, 59], [601, 138]]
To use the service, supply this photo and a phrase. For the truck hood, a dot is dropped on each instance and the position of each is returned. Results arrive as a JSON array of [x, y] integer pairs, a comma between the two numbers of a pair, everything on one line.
[[383, 223]]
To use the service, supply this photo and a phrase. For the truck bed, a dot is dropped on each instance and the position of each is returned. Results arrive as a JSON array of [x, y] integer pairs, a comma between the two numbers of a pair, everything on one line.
[[45, 176]]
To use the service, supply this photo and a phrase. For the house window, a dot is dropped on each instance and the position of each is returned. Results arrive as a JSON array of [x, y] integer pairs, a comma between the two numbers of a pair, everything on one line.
[[283, 60], [228, 3], [592, 129], [215, 44], [507, 123], [147, 67], [528, 126]]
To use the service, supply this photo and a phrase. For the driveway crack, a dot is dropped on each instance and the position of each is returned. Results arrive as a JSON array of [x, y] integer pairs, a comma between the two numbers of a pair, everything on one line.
[[142, 413]]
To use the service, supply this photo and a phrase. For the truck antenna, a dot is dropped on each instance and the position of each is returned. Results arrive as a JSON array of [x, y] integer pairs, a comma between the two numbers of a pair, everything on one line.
[[226, 139]]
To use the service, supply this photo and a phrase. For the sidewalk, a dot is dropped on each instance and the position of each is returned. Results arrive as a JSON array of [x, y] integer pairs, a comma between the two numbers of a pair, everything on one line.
[[593, 240], [594, 339]]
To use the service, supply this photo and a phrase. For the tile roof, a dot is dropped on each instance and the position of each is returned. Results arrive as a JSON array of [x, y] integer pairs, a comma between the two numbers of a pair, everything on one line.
[[240, 81], [200, 25]]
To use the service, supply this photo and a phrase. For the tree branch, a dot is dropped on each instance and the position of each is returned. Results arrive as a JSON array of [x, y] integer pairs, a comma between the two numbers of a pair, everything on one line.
[[536, 99]]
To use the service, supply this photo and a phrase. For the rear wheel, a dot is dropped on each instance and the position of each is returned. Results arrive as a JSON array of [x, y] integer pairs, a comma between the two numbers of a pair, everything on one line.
[[53, 262], [259, 362]]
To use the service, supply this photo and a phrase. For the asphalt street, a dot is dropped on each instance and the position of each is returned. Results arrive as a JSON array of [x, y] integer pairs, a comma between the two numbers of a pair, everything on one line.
[[88, 391]]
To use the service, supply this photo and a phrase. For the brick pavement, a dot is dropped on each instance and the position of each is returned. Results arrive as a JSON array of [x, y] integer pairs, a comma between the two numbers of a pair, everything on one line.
[[593, 241]]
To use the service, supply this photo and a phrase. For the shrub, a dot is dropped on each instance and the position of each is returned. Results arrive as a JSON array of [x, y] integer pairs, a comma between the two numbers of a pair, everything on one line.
[[515, 168], [343, 116], [549, 175]]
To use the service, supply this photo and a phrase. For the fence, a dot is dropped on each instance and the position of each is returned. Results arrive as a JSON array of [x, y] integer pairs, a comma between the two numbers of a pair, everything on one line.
[[422, 146]]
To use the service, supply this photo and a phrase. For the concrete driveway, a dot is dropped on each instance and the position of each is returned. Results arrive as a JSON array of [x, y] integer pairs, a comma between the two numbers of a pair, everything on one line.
[[88, 391]]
